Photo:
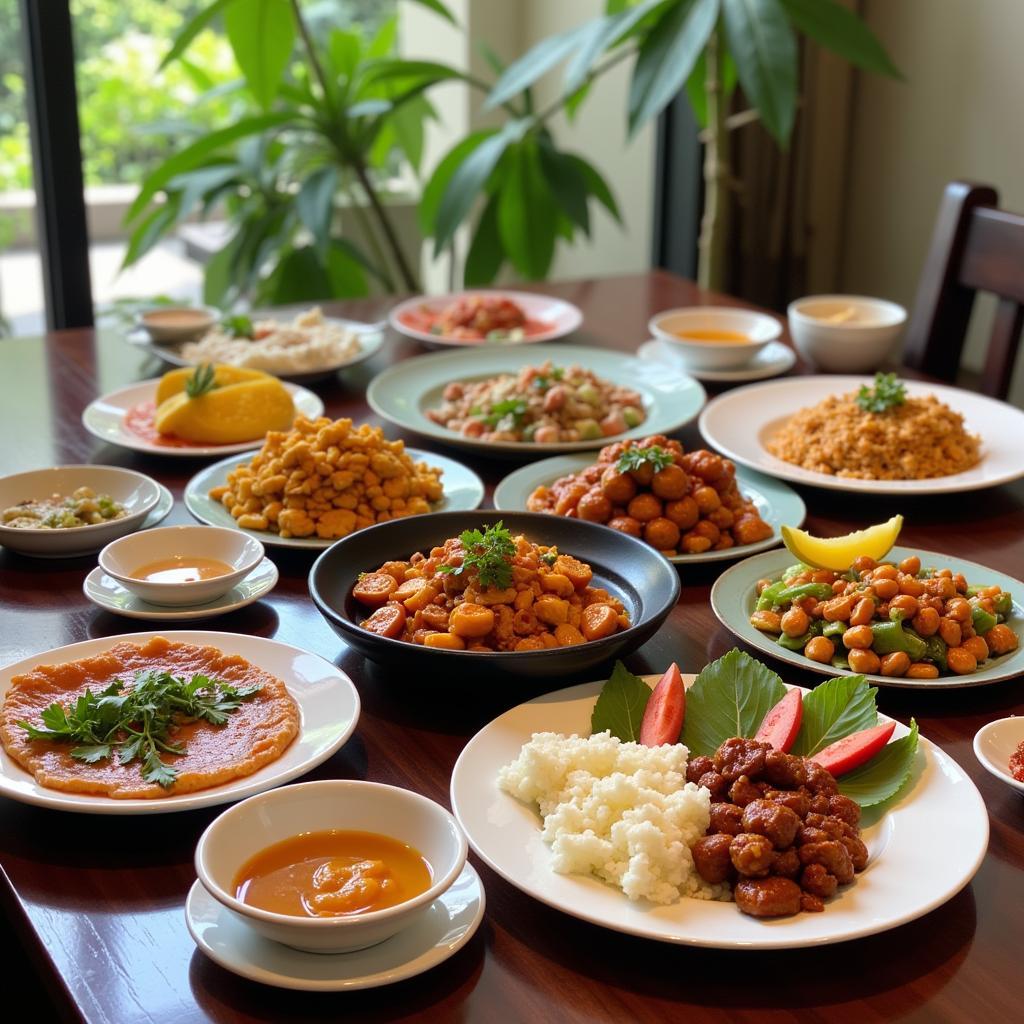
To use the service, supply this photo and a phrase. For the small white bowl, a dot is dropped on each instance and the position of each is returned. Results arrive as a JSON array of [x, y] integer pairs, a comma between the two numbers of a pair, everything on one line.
[[137, 492], [671, 326], [169, 324], [993, 745], [127, 555], [858, 345], [261, 821]]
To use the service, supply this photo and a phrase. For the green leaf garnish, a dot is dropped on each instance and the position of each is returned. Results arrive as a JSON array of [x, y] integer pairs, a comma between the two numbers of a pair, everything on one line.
[[238, 326], [885, 774], [488, 554], [834, 709], [507, 414], [729, 698], [889, 391], [635, 458], [201, 381], [620, 707]]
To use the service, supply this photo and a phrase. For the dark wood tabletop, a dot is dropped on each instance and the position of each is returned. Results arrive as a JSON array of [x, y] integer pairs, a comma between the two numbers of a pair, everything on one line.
[[97, 902]]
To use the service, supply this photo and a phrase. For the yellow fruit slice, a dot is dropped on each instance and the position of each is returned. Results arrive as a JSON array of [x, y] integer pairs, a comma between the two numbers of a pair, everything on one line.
[[230, 414], [173, 382], [839, 553]]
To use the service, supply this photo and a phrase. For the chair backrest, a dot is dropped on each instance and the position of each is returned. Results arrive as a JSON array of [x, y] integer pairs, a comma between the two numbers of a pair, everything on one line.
[[975, 247]]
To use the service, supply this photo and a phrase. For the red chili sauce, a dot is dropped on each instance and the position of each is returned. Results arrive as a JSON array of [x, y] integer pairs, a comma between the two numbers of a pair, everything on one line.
[[141, 420]]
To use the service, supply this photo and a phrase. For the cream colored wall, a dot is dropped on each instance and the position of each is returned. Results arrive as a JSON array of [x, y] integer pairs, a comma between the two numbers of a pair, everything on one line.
[[958, 115]]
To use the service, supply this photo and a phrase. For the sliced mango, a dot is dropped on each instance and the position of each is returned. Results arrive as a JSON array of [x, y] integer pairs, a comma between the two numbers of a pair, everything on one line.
[[838, 553], [173, 382], [229, 414]]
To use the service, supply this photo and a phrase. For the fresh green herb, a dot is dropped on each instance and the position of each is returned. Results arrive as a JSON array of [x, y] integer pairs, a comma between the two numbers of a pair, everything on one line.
[[729, 698], [834, 709], [488, 554], [201, 381], [636, 458], [549, 558], [136, 723], [238, 326], [620, 707], [507, 414], [543, 380], [885, 774], [888, 391]]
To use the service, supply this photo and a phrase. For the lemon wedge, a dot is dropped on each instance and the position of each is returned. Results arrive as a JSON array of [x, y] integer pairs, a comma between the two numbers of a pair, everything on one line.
[[838, 553]]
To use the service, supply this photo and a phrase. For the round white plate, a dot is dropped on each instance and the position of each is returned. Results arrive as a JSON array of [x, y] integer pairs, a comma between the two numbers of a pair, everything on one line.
[[403, 392], [995, 743], [328, 711], [563, 317], [777, 503], [104, 418], [449, 923], [463, 492], [733, 599], [371, 337], [904, 879], [739, 422], [770, 361], [108, 594]]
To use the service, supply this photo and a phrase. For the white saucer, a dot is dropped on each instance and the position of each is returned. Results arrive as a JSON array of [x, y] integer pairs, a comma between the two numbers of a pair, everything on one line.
[[772, 360], [444, 929], [109, 595]]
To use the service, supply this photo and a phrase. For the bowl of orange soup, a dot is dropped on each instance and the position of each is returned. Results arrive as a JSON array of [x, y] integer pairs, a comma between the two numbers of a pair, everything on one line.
[[181, 565], [715, 337], [331, 866]]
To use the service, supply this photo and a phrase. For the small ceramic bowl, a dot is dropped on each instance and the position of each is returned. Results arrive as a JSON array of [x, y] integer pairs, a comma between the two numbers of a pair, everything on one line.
[[261, 821], [129, 554], [845, 333], [169, 324], [993, 745], [136, 492], [673, 325]]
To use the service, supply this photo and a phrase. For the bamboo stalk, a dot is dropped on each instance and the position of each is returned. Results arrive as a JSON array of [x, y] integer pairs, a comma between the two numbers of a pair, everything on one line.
[[714, 227]]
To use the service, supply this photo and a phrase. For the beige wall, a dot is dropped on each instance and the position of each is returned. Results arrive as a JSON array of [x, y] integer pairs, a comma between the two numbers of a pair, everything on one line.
[[958, 115]]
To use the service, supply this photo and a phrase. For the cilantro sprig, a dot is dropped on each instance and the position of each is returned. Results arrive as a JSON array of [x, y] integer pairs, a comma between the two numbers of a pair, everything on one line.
[[888, 392], [635, 458], [507, 414], [238, 326], [129, 724], [488, 554]]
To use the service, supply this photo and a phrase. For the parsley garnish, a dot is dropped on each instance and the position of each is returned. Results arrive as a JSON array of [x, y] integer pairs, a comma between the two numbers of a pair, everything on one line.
[[635, 458], [202, 380], [888, 391], [238, 326], [136, 724], [488, 554], [543, 380], [507, 413]]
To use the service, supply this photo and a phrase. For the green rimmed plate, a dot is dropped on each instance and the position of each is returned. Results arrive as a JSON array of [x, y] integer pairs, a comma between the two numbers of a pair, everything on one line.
[[733, 598], [403, 392], [777, 503], [463, 492]]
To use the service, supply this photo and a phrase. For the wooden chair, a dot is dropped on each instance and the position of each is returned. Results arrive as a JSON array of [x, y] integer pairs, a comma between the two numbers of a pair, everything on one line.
[[975, 247]]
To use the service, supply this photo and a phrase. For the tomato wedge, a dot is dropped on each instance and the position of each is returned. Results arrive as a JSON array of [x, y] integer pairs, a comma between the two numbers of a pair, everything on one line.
[[854, 750], [663, 716], [782, 723]]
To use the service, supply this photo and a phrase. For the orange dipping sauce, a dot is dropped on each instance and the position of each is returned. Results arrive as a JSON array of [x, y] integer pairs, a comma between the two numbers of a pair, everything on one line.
[[182, 569], [333, 874], [712, 335]]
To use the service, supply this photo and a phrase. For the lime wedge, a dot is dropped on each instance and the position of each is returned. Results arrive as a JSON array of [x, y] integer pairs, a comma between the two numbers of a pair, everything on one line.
[[839, 553]]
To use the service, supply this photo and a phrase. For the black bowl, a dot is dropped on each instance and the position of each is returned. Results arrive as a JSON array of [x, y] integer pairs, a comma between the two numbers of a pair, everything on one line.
[[644, 581]]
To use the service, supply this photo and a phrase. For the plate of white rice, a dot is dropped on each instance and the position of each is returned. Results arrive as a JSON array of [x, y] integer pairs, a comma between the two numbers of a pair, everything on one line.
[[601, 830]]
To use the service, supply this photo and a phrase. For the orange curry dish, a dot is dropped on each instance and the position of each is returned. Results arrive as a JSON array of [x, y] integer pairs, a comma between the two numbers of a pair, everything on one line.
[[489, 591], [242, 719]]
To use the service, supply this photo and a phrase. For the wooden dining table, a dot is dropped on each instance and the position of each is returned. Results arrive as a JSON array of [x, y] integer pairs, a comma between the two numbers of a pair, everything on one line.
[[94, 904]]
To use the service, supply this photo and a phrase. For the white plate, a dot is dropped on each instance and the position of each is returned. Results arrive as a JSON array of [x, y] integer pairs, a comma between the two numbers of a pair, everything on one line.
[[403, 392], [463, 492], [770, 361], [104, 418], [371, 337], [904, 879], [995, 743], [777, 503], [450, 922], [739, 422], [563, 316], [108, 594], [328, 711]]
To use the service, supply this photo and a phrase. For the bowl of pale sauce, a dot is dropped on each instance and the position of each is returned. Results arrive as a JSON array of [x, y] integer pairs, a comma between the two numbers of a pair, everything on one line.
[[845, 333], [169, 324], [181, 565], [715, 337], [331, 866]]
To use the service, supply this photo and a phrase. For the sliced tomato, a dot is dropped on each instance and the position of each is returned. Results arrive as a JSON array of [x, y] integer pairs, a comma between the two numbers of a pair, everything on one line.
[[782, 723], [854, 750], [663, 717]]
